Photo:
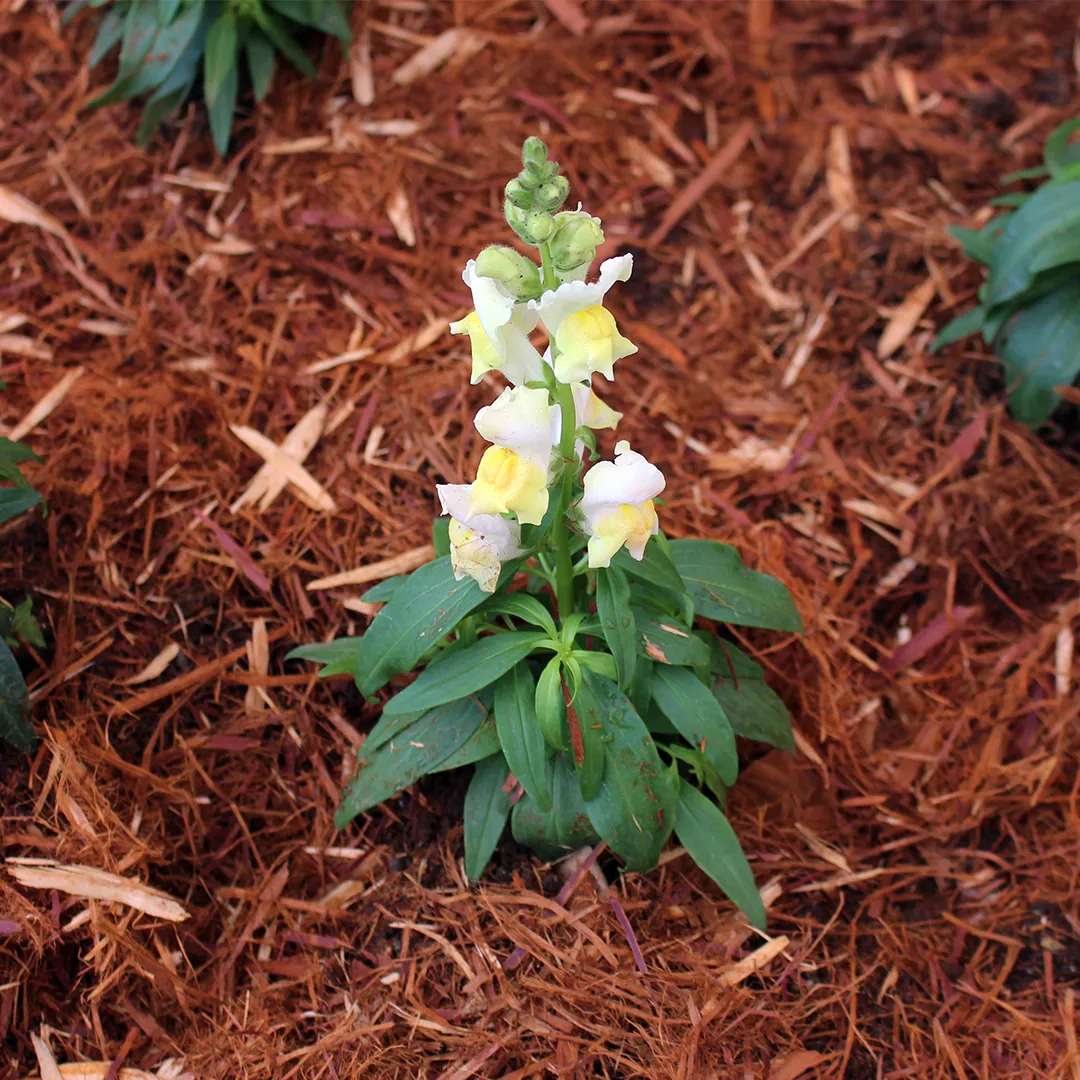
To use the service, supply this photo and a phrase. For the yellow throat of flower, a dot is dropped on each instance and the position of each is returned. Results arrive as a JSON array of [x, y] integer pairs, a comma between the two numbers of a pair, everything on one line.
[[506, 483], [586, 341], [628, 524]]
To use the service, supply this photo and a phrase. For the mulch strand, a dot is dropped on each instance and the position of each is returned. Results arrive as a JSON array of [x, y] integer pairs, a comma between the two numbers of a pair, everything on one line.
[[784, 176]]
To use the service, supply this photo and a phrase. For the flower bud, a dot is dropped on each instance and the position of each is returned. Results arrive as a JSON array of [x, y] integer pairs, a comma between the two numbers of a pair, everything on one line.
[[534, 151], [520, 193], [519, 275], [575, 242], [552, 194], [541, 226]]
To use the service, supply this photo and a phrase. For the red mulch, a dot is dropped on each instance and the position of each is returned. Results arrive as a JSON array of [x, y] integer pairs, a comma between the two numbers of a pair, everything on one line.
[[921, 852]]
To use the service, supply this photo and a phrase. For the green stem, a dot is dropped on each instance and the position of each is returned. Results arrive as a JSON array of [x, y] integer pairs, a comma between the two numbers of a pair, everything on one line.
[[560, 536], [547, 268]]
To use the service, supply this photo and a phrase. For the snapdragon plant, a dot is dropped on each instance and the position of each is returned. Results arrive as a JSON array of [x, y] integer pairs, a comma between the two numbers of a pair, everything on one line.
[[556, 627]]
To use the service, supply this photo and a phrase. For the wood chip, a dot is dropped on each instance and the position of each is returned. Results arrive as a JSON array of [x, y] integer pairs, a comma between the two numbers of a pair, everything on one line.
[[431, 57], [361, 72], [384, 568], [156, 666], [905, 318], [99, 1070], [792, 1066], [569, 13], [758, 959], [414, 343], [1063, 661], [336, 361], [44, 408], [104, 327], [649, 163], [19, 210], [256, 698], [307, 145], [701, 183], [46, 1062], [90, 883], [839, 179], [822, 850], [269, 482], [805, 348], [21, 345], [292, 470], [397, 210]]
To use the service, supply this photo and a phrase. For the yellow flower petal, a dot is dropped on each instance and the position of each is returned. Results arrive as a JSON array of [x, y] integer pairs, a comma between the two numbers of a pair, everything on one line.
[[589, 341], [626, 524], [485, 357], [506, 483]]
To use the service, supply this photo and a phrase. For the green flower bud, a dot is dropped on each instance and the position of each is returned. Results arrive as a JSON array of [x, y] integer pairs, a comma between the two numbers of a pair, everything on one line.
[[534, 151], [532, 228], [575, 242], [551, 195], [521, 195], [520, 275], [542, 227]]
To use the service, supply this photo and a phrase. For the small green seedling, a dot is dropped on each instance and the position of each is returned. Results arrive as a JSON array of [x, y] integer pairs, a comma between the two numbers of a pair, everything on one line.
[[1029, 304]]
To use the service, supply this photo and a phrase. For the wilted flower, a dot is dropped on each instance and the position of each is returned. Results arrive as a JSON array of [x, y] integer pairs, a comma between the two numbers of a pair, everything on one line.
[[479, 544]]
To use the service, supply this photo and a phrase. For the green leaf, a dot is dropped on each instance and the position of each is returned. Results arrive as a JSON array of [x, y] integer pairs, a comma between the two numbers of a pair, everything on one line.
[[551, 716], [483, 742], [640, 693], [1035, 173], [327, 652], [1041, 350], [519, 732], [753, 709], [698, 716], [1013, 199], [524, 607], [562, 829], [73, 8], [711, 842], [723, 589], [273, 28], [14, 727], [1060, 152], [667, 641], [16, 452], [22, 624], [143, 69], [219, 60], [487, 806], [634, 808], [655, 567], [586, 722], [964, 325], [260, 60], [385, 590], [110, 30], [400, 761], [440, 536], [617, 620], [978, 244], [166, 10], [466, 671], [327, 17], [1043, 233], [422, 610], [15, 501]]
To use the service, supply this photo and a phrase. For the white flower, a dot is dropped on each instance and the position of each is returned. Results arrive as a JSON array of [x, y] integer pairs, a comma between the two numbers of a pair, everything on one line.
[[521, 420], [584, 332], [514, 474], [478, 545], [618, 505], [498, 330], [591, 411]]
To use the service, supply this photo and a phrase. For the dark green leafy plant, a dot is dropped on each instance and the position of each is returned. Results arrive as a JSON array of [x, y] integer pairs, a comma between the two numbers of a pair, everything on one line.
[[17, 625], [166, 44], [1029, 305], [556, 627]]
